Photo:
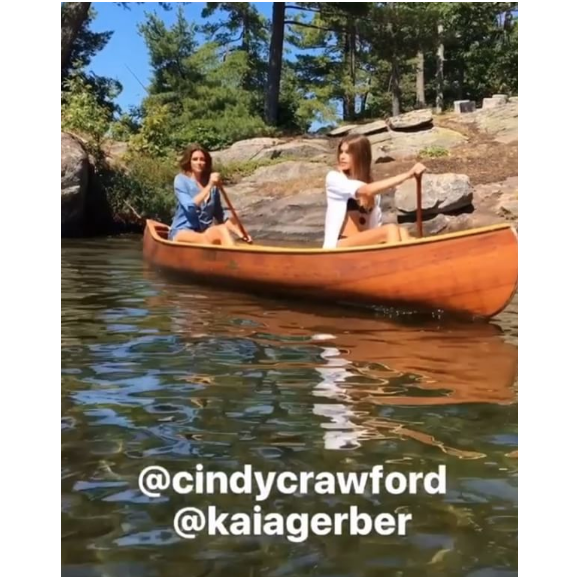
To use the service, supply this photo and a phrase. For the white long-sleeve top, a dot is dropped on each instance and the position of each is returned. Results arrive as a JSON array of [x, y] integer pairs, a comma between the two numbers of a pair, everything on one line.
[[339, 189]]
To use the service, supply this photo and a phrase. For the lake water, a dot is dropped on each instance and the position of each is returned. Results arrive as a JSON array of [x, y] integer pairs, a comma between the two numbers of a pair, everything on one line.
[[158, 372]]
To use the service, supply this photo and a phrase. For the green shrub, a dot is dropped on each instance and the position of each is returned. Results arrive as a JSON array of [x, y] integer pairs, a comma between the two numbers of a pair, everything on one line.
[[221, 131], [144, 185], [81, 112]]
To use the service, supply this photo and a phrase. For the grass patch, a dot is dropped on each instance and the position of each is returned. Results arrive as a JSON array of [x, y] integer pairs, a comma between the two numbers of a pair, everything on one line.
[[434, 152], [234, 172]]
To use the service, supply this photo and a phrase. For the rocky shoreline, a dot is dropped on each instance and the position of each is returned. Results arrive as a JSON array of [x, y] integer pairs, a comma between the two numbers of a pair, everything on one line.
[[471, 180]]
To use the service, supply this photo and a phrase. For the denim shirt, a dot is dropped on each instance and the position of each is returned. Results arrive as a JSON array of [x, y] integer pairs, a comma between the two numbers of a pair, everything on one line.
[[190, 216]]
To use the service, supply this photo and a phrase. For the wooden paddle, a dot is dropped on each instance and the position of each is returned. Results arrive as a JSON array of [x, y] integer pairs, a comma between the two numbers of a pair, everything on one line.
[[231, 208], [419, 204]]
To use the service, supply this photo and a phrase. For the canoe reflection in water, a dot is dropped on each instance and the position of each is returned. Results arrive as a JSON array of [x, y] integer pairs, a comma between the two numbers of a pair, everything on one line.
[[363, 364]]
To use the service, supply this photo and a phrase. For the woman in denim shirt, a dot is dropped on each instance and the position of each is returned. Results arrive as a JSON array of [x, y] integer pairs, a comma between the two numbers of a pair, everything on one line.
[[199, 217]]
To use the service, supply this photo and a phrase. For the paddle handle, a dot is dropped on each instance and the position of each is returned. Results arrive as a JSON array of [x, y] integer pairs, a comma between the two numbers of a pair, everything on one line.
[[231, 208], [419, 204]]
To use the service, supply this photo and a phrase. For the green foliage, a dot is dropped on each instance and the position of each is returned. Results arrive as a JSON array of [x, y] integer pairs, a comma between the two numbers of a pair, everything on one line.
[[84, 47], [82, 113], [169, 50], [481, 49], [330, 67], [480, 40], [197, 94], [143, 186], [296, 110], [154, 136], [164, 5], [221, 131], [246, 30], [349, 59], [124, 128]]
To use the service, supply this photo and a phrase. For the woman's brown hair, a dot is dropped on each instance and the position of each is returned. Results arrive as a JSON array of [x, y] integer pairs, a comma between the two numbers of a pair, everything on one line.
[[360, 150], [185, 161]]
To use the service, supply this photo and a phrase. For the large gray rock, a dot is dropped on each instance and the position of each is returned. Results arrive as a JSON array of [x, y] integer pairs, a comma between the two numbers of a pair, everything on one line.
[[287, 171], [507, 204], [446, 224], [384, 153], [490, 193], [442, 193], [298, 214], [74, 180], [380, 137], [470, 221], [404, 145], [370, 128], [500, 120], [283, 201], [431, 227], [341, 131], [303, 148], [495, 101], [412, 120], [287, 201], [509, 207], [241, 151]]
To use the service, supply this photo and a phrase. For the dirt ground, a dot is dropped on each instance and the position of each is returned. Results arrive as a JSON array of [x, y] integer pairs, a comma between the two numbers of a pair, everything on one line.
[[481, 158]]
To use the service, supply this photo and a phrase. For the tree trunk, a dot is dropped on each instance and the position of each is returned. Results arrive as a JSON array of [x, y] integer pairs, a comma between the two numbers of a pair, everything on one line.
[[248, 80], [440, 61], [420, 99], [72, 21], [363, 102], [396, 88], [350, 65], [245, 31], [275, 63]]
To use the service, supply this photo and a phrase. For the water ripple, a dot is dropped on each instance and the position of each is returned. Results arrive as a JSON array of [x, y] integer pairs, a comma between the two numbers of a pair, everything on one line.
[[159, 372]]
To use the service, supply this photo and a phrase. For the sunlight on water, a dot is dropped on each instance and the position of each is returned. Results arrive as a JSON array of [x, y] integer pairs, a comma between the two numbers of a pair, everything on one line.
[[156, 372]]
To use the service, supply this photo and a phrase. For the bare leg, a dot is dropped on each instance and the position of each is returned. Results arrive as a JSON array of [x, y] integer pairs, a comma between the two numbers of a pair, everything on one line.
[[393, 233], [215, 235], [385, 234], [405, 235], [189, 236], [219, 235]]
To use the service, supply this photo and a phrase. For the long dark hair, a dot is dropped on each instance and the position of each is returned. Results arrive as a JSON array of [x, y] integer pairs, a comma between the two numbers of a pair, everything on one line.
[[360, 150], [185, 161]]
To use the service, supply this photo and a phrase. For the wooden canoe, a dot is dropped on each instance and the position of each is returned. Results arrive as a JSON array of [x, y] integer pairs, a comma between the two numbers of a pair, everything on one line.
[[472, 273]]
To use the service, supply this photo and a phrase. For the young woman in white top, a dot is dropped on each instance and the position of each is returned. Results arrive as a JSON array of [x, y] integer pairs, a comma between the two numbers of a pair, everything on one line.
[[353, 214]]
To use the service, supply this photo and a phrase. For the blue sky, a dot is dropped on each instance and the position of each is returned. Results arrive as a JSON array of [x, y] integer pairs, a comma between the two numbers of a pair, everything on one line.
[[126, 49]]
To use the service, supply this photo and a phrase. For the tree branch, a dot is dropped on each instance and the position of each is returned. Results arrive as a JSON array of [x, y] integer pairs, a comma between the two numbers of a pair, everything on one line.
[[303, 24], [321, 46], [236, 39], [317, 10]]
